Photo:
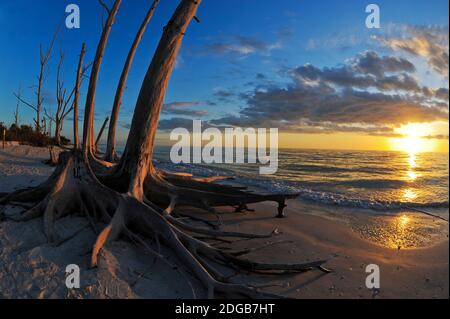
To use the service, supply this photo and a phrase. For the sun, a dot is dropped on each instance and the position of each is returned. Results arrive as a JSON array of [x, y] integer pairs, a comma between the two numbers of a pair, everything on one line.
[[414, 140]]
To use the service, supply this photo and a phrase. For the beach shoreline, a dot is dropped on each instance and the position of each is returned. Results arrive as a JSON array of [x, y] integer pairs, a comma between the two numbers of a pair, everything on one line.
[[30, 268]]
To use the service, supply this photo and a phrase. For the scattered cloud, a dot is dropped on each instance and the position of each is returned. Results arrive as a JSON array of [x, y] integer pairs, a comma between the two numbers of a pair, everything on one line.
[[436, 137], [223, 95], [429, 42], [367, 70], [242, 46], [176, 122], [260, 76], [370, 93], [183, 108]]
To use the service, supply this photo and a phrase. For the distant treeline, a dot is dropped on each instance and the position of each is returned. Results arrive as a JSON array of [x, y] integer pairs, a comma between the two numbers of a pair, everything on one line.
[[25, 134]]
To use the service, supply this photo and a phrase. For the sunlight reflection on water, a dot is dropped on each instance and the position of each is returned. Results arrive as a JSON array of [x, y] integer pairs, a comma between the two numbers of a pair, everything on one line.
[[402, 231]]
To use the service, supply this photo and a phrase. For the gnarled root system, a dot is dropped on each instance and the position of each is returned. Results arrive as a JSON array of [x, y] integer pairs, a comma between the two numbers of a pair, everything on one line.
[[74, 189]]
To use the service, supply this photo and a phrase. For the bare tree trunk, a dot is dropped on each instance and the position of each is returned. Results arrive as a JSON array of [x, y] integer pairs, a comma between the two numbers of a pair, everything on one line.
[[44, 126], [88, 132], [44, 58], [111, 154], [39, 100], [76, 142], [137, 159], [58, 133], [16, 113], [101, 132], [60, 98], [50, 125]]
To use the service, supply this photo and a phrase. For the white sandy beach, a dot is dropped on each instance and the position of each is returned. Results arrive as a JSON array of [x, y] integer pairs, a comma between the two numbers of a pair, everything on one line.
[[31, 268]]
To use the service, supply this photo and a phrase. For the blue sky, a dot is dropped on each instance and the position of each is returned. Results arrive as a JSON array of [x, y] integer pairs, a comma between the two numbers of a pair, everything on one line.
[[240, 48]]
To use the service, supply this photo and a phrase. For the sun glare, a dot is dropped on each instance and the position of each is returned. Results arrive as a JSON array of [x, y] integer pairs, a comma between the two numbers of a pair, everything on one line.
[[414, 140]]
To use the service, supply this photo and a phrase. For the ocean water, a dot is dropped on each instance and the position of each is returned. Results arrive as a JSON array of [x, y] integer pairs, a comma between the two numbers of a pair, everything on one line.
[[375, 180], [385, 197]]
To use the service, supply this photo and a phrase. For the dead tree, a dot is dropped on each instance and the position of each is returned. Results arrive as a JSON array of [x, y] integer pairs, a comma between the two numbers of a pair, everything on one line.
[[80, 71], [111, 154], [16, 113], [62, 108], [62, 102], [44, 58], [122, 204], [44, 126]]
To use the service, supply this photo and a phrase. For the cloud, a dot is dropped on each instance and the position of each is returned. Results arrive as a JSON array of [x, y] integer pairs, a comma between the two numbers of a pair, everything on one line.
[[370, 93], [428, 42], [436, 137], [177, 122], [442, 94], [365, 71], [281, 107], [174, 123], [260, 76], [242, 46], [182, 108], [371, 63], [223, 95]]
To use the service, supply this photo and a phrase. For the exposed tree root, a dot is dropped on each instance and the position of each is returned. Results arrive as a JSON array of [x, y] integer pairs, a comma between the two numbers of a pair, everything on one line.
[[196, 255], [168, 191], [171, 191], [74, 189], [35, 194]]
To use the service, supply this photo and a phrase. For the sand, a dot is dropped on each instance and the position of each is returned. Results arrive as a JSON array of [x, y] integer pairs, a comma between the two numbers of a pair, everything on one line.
[[31, 268]]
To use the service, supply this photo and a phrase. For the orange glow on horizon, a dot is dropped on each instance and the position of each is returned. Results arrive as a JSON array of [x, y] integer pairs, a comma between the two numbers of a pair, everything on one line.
[[414, 140]]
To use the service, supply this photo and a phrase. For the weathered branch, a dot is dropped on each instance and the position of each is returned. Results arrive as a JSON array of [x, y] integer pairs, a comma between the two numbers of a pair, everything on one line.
[[60, 98], [101, 132], [25, 102], [16, 113], [137, 160], [76, 143], [103, 4], [44, 58], [110, 154], [88, 132]]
